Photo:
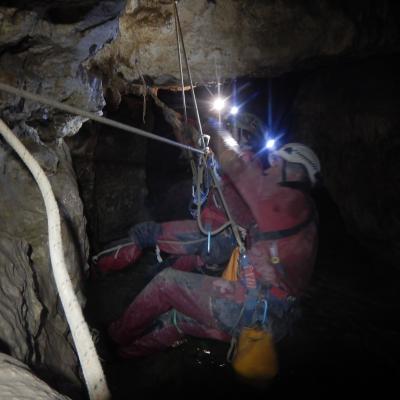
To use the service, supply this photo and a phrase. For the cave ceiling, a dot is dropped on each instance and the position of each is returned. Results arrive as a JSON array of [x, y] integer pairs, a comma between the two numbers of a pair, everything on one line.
[[223, 38], [226, 39]]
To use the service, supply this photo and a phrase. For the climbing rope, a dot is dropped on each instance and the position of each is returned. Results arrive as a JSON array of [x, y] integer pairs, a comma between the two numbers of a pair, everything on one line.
[[203, 161], [180, 35], [178, 45], [91, 366], [231, 222], [86, 114]]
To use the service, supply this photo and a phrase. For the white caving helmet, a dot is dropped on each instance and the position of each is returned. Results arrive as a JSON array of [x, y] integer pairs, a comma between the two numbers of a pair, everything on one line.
[[301, 154]]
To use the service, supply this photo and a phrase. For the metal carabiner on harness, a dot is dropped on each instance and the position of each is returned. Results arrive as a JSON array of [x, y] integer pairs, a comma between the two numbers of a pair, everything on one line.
[[194, 203], [200, 189], [202, 183], [265, 312]]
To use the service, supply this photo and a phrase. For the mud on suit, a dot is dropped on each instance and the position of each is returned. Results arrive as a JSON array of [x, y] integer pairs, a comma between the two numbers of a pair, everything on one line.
[[178, 303]]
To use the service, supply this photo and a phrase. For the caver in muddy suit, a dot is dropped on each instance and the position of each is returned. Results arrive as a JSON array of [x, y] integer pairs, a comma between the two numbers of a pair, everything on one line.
[[280, 221]]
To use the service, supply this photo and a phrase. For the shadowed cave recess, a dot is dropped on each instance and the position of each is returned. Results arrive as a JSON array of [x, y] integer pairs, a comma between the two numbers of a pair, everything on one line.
[[323, 73]]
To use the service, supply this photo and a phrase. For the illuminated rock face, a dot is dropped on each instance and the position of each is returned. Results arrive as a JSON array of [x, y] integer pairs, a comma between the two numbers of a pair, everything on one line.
[[18, 382], [43, 48], [226, 39]]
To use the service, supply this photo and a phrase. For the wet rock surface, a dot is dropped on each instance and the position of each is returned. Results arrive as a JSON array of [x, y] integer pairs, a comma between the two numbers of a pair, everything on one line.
[[18, 382], [21, 309], [45, 342], [43, 46]]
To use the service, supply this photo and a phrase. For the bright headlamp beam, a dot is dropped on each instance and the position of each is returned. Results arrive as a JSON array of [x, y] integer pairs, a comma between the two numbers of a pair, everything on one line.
[[219, 104], [234, 110], [270, 144]]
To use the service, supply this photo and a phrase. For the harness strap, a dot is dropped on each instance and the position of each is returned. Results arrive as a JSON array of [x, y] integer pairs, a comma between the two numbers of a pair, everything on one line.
[[257, 236]]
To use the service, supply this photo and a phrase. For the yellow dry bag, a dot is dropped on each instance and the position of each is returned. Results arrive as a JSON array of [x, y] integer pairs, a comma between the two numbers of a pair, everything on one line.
[[255, 359]]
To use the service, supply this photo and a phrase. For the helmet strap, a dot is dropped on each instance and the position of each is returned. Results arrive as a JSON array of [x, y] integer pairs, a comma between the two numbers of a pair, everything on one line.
[[302, 186]]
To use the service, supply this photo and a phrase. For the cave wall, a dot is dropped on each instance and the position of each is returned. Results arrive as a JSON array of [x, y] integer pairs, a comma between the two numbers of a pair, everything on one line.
[[350, 114], [43, 47], [18, 382], [111, 170]]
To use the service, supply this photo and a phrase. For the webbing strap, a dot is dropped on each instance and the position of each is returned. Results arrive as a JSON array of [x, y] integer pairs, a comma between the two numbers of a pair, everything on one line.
[[275, 235]]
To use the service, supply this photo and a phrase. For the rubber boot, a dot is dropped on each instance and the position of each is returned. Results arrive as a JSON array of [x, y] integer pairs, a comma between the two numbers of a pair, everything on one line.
[[117, 257]]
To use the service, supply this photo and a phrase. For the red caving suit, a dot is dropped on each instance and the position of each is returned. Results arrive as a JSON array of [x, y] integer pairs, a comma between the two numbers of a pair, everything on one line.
[[178, 302]]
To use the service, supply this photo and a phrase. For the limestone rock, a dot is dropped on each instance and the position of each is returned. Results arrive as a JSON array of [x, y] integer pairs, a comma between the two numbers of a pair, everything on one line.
[[18, 382], [47, 58], [20, 308], [43, 46], [24, 218], [225, 38], [349, 114]]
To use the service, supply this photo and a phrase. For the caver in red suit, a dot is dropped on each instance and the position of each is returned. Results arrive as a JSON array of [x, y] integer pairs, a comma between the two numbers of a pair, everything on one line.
[[280, 221]]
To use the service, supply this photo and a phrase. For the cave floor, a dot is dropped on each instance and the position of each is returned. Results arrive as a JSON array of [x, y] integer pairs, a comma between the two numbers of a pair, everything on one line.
[[346, 340]]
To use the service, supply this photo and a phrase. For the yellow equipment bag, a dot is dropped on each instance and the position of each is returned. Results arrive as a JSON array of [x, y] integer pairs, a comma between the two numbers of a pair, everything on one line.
[[255, 359]]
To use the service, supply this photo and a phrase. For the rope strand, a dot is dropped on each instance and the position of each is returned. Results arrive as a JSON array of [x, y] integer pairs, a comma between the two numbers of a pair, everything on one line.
[[86, 114]]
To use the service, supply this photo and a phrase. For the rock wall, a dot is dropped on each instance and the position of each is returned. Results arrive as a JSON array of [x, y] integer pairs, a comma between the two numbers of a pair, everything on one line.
[[44, 344], [111, 169], [42, 49], [18, 382], [349, 113]]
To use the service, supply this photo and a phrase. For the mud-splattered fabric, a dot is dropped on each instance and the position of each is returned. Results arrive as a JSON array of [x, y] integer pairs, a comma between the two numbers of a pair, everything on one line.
[[210, 306], [188, 293]]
